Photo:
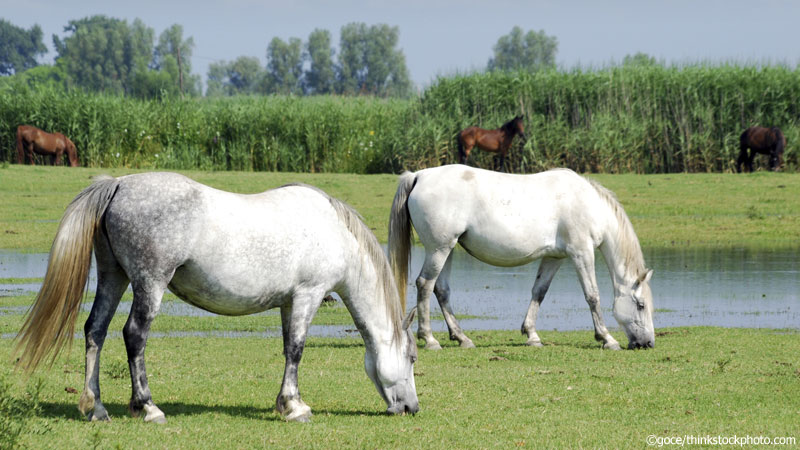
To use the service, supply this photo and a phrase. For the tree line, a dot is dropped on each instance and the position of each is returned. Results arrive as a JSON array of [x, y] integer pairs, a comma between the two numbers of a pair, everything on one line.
[[106, 54]]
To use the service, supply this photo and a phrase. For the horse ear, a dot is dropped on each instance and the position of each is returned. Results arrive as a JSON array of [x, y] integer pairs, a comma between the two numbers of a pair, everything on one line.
[[409, 318], [644, 278]]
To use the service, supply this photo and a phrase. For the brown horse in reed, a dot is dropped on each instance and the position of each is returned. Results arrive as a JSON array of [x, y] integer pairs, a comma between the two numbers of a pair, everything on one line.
[[767, 141], [31, 140], [498, 140]]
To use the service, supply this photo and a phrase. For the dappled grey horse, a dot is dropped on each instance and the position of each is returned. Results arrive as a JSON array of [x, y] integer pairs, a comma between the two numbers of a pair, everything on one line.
[[510, 220], [226, 253]]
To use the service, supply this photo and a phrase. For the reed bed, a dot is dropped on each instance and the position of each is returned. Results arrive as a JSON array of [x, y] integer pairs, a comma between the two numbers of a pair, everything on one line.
[[629, 119]]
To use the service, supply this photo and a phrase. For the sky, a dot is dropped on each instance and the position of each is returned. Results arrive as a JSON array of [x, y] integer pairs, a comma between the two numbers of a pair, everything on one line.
[[443, 37]]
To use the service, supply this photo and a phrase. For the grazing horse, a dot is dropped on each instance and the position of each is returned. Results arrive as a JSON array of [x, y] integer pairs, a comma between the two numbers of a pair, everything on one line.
[[498, 140], [767, 141], [229, 254], [32, 140], [510, 220]]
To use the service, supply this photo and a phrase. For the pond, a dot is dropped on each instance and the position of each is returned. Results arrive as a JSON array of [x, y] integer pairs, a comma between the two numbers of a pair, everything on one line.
[[691, 287]]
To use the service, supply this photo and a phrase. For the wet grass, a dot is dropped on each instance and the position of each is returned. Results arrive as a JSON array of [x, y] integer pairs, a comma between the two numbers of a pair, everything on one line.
[[757, 211], [220, 393]]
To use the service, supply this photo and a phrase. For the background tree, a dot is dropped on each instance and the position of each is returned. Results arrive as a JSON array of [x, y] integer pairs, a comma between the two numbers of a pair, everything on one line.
[[19, 48], [104, 53], [369, 63], [321, 75], [285, 66], [639, 59], [242, 76], [530, 51], [173, 55]]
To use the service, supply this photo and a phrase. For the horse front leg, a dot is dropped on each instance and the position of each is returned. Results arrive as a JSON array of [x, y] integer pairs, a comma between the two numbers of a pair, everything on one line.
[[584, 265], [295, 320], [146, 303], [547, 270], [442, 291], [110, 287]]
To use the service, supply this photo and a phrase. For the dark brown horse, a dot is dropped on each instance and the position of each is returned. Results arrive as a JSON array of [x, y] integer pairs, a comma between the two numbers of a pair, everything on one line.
[[32, 140], [767, 141], [498, 140]]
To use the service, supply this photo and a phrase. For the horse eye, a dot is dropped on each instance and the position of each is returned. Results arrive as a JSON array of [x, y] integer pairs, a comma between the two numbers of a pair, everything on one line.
[[639, 304]]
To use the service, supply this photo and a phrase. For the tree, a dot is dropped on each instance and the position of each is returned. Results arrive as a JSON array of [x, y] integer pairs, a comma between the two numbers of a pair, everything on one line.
[[103, 53], [530, 51], [369, 62], [321, 75], [639, 59], [285, 66], [19, 48], [173, 55], [242, 76]]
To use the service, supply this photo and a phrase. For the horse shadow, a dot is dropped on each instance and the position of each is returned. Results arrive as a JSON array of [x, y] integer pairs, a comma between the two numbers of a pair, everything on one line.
[[69, 411]]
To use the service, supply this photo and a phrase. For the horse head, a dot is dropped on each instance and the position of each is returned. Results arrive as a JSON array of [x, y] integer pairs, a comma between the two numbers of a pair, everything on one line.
[[633, 309], [519, 127], [392, 372]]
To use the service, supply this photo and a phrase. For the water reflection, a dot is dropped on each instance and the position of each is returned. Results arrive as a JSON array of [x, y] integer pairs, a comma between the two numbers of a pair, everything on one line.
[[731, 288]]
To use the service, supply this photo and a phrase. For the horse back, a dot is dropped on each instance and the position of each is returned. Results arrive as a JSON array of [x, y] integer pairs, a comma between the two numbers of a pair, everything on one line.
[[505, 219]]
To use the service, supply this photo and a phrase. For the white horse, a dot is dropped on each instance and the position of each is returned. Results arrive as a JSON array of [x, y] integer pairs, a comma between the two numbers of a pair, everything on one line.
[[510, 220], [226, 253]]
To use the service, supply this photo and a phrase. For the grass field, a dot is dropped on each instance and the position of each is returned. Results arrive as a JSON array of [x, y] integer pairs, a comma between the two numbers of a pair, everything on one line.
[[759, 210], [219, 392]]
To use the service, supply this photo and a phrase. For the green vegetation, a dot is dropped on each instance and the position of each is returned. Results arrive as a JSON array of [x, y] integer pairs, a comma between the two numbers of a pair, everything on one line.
[[634, 118], [756, 211], [220, 393]]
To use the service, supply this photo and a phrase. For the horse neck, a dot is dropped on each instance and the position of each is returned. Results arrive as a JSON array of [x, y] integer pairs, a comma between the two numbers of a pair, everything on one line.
[[370, 311], [622, 252]]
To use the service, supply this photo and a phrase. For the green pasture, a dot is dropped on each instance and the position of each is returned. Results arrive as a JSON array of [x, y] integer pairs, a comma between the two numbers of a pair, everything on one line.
[[759, 210], [220, 393]]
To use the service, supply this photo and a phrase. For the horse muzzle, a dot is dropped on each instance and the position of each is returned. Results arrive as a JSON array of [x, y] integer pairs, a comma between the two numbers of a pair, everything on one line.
[[632, 345], [403, 408]]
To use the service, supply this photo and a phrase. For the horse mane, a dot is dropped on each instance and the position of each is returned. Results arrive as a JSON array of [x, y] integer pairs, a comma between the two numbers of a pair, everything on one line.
[[628, 247], [368, 243]]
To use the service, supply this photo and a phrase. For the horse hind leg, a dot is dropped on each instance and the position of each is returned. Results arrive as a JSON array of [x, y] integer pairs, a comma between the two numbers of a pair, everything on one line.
[[442, 291], [295, 320], [547, 270], [146, 303], [111, 284], [434, 262]]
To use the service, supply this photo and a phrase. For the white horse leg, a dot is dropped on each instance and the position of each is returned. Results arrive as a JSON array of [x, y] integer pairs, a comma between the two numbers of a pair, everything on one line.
[[434, 262], [584, 264], [442, 291], [146, 303], [295, 320], [111, 284], [547, 270]]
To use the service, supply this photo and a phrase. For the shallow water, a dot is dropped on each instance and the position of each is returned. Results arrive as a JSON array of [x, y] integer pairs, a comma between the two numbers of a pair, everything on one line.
[[730, 288]]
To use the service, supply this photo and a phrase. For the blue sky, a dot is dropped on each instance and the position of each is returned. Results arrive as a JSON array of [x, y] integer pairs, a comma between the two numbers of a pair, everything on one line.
[[440, 37]]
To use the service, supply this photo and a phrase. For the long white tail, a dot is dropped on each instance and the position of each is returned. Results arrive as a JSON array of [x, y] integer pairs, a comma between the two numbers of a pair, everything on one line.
[[51, 321], [400, 233]]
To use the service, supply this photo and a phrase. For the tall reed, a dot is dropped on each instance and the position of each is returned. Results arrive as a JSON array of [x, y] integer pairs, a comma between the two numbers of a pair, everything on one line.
[[643, 119]]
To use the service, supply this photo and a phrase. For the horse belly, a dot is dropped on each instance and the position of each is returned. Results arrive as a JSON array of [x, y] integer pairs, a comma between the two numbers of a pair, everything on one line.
[[503, 250], [231, 294]]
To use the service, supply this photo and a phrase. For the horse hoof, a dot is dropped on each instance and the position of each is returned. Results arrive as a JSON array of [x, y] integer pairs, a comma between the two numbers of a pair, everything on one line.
[[612, 346], [534, 343], [100, 415], [433, 346], [467, 344], [154, 415]]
